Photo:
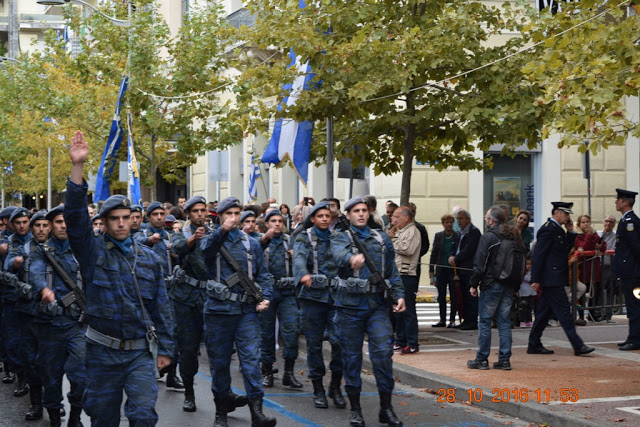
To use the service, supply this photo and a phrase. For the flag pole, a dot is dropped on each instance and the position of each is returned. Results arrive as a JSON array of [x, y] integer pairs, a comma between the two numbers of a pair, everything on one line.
[[330, 157]]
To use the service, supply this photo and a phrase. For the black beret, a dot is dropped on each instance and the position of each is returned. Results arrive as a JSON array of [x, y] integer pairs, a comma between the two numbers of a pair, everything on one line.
[[6, 212], [19, 213], [154, 206], [247, 214], [319, 206], [352, 202], [229, 202], [136, 208], [58, 210], [194, 201], [117, 201], [272, 213], [38, 216]]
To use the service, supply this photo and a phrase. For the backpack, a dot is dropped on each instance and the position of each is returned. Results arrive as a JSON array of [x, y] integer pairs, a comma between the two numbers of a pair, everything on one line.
[[509, 264]]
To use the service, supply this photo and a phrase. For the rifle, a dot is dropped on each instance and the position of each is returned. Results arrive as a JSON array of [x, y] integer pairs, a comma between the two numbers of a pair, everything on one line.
[[23, 289], [76, 295], [240, 277], [375, 278]]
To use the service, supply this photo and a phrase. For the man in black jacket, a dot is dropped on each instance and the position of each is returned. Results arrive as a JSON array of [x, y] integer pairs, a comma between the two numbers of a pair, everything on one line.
[[461, 256]]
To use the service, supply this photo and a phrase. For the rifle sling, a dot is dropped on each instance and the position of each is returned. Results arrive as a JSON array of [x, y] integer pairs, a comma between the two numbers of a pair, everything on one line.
[[367, 258], [66, 279]]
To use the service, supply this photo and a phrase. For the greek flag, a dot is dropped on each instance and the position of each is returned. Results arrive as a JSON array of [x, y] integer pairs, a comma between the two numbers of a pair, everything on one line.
[[254, 175], [110, 155], [292, 139], [132, 167]]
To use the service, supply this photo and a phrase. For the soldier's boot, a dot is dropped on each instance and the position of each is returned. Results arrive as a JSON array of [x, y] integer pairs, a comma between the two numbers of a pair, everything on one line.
[[319, 398], [267, 375], [189, 404], [74, 417], [235, 401], [35, 410], [22, 388], [9, 377], [54, 417], [221, 412], [334, 390], [258, 418], [386, 414], [173, 380], [355, 417], [289, 378]]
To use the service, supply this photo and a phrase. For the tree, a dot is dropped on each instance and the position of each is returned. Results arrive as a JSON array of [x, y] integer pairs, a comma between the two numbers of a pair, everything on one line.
[[392, 74], [585, 74]]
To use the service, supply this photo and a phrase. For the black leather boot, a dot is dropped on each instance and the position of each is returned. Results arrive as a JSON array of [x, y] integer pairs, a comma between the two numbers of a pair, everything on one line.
[[173, 380], [258, 419], [289, 377], [386, 415], [189, 404], [221, 412], [74, 417], [334, 390], [235, 401], [267, 375], [54, 417], [9, 377], [35, 410], [355, 417], [319, 398], [22, 388]]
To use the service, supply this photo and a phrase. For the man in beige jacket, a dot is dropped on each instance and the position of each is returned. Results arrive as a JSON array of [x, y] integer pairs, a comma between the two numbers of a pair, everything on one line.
[[406, 241]]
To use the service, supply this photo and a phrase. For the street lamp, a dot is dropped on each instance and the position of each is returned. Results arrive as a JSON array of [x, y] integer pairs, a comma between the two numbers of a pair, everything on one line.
[[118, 22]]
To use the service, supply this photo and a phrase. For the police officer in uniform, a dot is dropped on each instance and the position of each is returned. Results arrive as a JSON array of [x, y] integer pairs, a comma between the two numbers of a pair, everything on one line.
[[61, 336], [231, 313], [626, 264], [278, 258], [9, 377], [313, 269], [550, 271], [128, 313], [362, 308]]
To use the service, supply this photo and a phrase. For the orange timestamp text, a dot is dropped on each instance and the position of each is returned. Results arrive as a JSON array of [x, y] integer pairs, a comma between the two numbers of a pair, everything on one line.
[[499, 395]]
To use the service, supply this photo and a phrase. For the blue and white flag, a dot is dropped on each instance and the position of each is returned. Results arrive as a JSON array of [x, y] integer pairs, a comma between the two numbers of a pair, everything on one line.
[[110, 155], [132, 167], [254, 175], [292, 139]]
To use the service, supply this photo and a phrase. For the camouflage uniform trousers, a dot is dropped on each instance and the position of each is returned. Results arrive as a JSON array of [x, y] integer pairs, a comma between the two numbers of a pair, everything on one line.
[[11, 335], [316, 318], [61, 351], [29, 348], [353, 324], [283, 305], [109, 372], [221, 331], [189, 331]]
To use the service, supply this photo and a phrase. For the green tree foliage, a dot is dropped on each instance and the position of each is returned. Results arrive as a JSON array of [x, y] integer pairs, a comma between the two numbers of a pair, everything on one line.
[[585, 73], [392, 73]]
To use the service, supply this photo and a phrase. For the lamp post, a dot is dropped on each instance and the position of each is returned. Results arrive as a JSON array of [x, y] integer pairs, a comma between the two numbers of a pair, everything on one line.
[[118, 22]]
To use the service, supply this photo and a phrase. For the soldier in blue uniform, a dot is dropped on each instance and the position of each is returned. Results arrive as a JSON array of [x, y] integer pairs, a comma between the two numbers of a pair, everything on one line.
[[128, 313], [248, 224], [314, 268], [626, 264], [550, 271], [156, 238], [11, 323], [25, 309], [8, 377], [61, 336], [278, 258], [136, 220], [230, 311], [361, 308]]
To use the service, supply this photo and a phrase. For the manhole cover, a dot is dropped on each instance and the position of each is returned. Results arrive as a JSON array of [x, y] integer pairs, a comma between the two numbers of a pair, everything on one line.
[[434, 341]]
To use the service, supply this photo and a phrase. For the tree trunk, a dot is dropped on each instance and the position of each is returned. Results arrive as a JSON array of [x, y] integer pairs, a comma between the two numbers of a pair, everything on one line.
[[152, 167], [409, 147]]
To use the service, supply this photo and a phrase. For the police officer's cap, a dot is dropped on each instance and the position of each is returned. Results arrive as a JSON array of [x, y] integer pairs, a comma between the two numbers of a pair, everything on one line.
[[170, 219], [136, 208], [6, 212], [154, 206], [352, 202], [625, 194], [228, 203], [563, 206], [58, 210], [19, 213], [97, 216], [194, 201], [117, 201], [247, 214], [272, 213], [318, 207], [38, 216]]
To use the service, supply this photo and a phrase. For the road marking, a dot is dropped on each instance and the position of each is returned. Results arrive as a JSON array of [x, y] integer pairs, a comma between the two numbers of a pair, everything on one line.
[[634, 410]]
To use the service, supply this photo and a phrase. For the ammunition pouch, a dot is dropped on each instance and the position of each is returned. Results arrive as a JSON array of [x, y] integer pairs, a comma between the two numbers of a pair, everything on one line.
[[285, 283], [217, 290], [319, 281], [353, 285]]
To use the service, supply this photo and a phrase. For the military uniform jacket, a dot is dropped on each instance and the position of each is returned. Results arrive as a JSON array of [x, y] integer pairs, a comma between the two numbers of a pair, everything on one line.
[[113, 306], [159, 248], [192, 262], [276, 258], [41, 273], [550, 263], [16, 248], [4, 238], [210, 246], [303, 263], [342, 250], [626, 262]]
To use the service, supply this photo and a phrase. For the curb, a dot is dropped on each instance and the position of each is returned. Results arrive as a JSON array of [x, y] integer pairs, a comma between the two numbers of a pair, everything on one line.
[[427, 298]]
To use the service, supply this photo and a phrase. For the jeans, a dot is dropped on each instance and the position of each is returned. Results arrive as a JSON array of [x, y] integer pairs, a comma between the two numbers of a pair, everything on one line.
[[407, 321], [497, 299]]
